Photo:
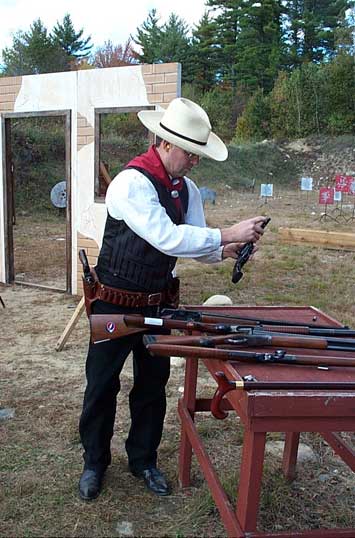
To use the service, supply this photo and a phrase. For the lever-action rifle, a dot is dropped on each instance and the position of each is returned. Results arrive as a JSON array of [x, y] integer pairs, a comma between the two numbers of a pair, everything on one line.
[[279, 356], [111, 326], [257, 339], [211, 317], [244, 255]]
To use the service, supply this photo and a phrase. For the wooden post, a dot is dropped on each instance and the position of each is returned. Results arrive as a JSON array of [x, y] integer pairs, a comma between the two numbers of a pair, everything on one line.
[[73, 321]]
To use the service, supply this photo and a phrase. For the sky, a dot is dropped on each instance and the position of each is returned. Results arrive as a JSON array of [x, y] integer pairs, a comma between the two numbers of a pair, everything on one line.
[[103, 20]]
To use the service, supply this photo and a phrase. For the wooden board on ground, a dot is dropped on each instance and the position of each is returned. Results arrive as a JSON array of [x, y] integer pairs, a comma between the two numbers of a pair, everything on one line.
[[319, 238], [71, 324]]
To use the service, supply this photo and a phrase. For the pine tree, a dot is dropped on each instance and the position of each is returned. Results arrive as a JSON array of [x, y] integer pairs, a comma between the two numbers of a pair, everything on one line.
[[148, 39], [251, 42], [65, 36], [205, 54], [260, 49], [38, 51], [227, 18], [313, 25], [165, 43], [33, 52]]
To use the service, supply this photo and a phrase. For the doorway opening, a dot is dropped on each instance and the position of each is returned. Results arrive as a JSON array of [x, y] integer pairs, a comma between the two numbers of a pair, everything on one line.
[[38, 193], [119, 136]]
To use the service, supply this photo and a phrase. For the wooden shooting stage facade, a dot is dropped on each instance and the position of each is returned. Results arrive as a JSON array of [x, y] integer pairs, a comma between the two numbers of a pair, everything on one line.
[[80, 97]]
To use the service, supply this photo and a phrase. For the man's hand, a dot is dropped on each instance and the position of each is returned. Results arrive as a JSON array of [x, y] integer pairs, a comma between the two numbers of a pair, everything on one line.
[[243, 232], [232, 250]]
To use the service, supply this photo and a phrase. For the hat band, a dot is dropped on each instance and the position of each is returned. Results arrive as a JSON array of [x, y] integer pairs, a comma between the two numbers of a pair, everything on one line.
[[182, 136]]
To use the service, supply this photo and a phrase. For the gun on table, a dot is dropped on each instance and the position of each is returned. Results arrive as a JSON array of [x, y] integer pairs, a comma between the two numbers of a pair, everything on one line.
[[244, 255], [264, 324], [279, 356], [256, 339], [111, 326]]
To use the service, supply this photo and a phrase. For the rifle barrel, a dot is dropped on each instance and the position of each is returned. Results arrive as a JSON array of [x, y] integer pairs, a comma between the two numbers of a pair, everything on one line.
[[167, 350], [256, 339], [294, 385], [196, 315]]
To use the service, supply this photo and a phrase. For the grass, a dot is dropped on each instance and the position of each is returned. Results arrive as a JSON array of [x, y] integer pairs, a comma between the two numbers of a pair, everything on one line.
[[40, 452]]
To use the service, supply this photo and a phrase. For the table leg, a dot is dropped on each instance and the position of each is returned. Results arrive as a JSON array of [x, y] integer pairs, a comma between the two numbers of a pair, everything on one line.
[[251, 471], [189, 398], [341, 448], [290, 454]]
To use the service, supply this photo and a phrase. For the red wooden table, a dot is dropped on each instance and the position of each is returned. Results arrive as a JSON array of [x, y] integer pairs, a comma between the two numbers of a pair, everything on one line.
[[292, 412]]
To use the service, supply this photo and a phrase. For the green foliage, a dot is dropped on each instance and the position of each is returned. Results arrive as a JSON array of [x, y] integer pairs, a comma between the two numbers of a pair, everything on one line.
[[216, 102], [254, 124], [205, 54], [164, 43], [149, 38], [38, 51], [339, 90], [313, 27], [38, 153], [262, 162], [33, 52], [314, 99], [260, 49], [122, 137], [71, 41]]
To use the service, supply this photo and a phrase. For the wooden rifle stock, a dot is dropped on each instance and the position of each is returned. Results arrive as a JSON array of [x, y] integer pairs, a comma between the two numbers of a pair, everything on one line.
[[111, 326], [105, 327], [279, 356]]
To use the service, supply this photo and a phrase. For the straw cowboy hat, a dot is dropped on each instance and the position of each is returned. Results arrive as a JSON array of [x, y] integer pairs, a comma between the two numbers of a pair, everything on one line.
[[186, 125]]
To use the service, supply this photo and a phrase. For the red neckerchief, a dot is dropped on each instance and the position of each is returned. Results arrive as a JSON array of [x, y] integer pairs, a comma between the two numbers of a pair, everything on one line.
[[151, 162]]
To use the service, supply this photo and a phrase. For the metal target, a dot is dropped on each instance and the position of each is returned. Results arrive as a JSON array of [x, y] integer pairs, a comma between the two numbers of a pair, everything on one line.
[[59, 194]]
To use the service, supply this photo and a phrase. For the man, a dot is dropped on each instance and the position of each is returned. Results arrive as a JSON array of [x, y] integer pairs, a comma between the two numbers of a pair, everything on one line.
[[155, 215]]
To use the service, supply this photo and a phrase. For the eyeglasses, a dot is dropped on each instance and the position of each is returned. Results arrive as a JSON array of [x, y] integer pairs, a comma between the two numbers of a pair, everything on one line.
[[191, 156]]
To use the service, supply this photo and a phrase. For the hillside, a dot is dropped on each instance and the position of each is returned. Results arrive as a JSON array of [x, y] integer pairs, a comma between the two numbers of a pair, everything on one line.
[[282, 163], [38, 157]]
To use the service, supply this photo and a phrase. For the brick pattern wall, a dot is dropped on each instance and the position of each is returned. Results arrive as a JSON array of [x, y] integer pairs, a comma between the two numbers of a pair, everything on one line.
[[162, 82], [92, 251], [85, 132], [9, 90]]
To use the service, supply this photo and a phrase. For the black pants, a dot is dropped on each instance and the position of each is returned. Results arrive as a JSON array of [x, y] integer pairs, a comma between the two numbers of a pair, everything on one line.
[[147, 400]]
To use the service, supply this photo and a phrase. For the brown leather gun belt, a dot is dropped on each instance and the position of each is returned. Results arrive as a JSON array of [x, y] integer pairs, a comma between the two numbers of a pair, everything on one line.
[[131, 299]]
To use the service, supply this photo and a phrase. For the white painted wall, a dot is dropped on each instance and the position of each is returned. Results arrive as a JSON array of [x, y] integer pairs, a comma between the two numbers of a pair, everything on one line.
[[81, 92]]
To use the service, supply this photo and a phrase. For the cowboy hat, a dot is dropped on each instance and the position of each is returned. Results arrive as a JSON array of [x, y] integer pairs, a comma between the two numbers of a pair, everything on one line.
[[186, 125]]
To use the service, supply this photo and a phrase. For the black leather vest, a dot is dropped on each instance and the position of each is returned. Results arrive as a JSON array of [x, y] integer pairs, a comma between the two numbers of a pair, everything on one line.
[[127, 261]]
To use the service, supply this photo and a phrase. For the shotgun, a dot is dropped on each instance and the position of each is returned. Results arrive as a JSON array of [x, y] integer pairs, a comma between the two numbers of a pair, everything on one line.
[[111, 326], [256, 339], [280, 356]]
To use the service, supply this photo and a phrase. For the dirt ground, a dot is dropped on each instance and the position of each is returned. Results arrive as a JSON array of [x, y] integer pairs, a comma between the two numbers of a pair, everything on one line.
[[40, 452]]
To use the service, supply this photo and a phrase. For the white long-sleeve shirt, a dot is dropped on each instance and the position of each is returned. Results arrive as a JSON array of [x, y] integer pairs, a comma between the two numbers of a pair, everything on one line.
[[132, 197]]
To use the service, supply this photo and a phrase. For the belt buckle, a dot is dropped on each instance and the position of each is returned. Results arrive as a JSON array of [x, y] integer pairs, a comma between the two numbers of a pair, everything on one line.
[[154, 299]]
